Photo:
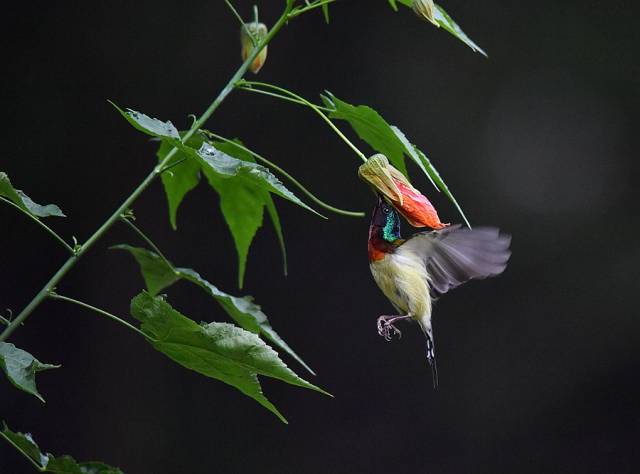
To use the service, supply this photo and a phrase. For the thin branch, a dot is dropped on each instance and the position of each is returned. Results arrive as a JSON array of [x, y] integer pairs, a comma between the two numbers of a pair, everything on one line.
[[101, 312], [281, 97], [299, 185], [144, 237], [41, 224], [314, 107]]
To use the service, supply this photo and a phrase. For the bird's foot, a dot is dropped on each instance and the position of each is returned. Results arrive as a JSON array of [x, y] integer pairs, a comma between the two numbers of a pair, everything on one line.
[[387, 329]]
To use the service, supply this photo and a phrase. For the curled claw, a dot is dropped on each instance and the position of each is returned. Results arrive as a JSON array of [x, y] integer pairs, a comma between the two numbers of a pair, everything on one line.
[[387, 329]]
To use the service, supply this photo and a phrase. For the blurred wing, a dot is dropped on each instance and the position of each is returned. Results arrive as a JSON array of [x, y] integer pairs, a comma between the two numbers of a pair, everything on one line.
[[455, 254]]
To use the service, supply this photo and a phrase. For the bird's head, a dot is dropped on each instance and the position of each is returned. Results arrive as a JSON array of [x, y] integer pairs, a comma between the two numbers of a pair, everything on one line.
[[384, 230]]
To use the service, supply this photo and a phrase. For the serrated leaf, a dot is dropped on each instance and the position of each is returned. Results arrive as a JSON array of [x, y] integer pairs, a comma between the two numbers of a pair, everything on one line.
[[24, 443], [159, 274], [215, 159], [388, 140], [445, 21], [150, 126], [178, 181], [21, 368], [217, 350], [24, 202]]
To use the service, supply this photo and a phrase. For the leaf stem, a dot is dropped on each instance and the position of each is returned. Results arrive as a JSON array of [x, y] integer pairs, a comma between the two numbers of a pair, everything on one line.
[[144, 237], [281, 97], [272, 165], [102, 312], [41, 224], [299, 11], [314, 107], [197, 124], [234, 11]]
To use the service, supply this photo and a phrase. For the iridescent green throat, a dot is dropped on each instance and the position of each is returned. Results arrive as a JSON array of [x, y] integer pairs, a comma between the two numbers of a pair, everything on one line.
[[391, 229]]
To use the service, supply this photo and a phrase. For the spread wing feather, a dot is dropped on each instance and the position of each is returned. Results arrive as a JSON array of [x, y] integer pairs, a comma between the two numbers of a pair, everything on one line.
[[455, 254]]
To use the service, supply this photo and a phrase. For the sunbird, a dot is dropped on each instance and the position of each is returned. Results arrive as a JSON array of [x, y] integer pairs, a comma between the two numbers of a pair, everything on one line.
[[413, 272]]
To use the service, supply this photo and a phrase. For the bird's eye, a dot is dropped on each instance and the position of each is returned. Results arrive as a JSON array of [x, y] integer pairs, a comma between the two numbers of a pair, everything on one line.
[[385, 209]]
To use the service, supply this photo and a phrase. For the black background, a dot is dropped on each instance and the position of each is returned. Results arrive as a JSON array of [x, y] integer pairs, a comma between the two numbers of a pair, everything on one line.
[[538, 368]]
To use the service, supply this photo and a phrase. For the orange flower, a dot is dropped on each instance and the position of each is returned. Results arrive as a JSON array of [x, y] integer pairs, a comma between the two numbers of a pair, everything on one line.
[[394, 186], [249, 33]]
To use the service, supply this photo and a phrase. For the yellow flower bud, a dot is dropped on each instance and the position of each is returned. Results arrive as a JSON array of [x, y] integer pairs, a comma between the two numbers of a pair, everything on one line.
[[425, 9], [249, 33]]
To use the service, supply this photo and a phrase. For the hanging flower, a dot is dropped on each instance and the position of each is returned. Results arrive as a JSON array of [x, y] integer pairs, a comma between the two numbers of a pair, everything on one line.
[[396, 188], [249, 33]]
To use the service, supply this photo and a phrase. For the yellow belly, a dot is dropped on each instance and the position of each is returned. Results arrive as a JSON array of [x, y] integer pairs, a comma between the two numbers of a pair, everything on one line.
[[404, 281]]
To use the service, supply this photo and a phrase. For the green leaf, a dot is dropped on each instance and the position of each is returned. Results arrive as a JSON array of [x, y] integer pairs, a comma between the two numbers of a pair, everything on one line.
[[21, 368], [25, 444], [388, 140], [217, 350], [148, 125], [159, 274], [24, 202], [180, 179], [370, 127], [445, 21]]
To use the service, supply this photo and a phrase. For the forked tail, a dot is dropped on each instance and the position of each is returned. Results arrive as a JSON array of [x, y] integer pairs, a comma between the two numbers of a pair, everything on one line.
[[431, 351]]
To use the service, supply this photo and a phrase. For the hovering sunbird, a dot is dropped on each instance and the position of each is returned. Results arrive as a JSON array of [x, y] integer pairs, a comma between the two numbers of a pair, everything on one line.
[[412, 272]]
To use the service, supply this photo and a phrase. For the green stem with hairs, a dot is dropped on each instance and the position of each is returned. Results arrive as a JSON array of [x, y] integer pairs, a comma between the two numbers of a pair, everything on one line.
[[197, 125]]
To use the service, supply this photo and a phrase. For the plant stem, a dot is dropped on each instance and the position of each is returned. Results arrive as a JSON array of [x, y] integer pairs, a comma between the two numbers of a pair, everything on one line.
[[62, 271], [41, 224], [299, 11], [102, 312], [234, 11], [281, 97], [144, 237], [299, 185], [314, 107]]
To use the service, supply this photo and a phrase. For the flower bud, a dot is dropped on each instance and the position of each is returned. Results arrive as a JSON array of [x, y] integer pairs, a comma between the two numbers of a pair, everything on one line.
[[425, 9], [249, 33], [398, 191]]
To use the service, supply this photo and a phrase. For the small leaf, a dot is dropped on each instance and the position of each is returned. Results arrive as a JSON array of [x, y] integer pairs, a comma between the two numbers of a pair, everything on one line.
[[21, 368], [24, 443], [159, 274], [181, 179], [388, 140], [443, 19], [148, 125], [217, 350], [24, 202]]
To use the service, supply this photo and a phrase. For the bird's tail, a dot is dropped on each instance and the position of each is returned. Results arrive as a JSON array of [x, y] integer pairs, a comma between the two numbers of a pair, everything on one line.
[[425, 325]]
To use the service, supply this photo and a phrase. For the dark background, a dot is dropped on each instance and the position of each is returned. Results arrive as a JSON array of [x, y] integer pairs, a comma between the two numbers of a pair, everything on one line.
[[538, 368]]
